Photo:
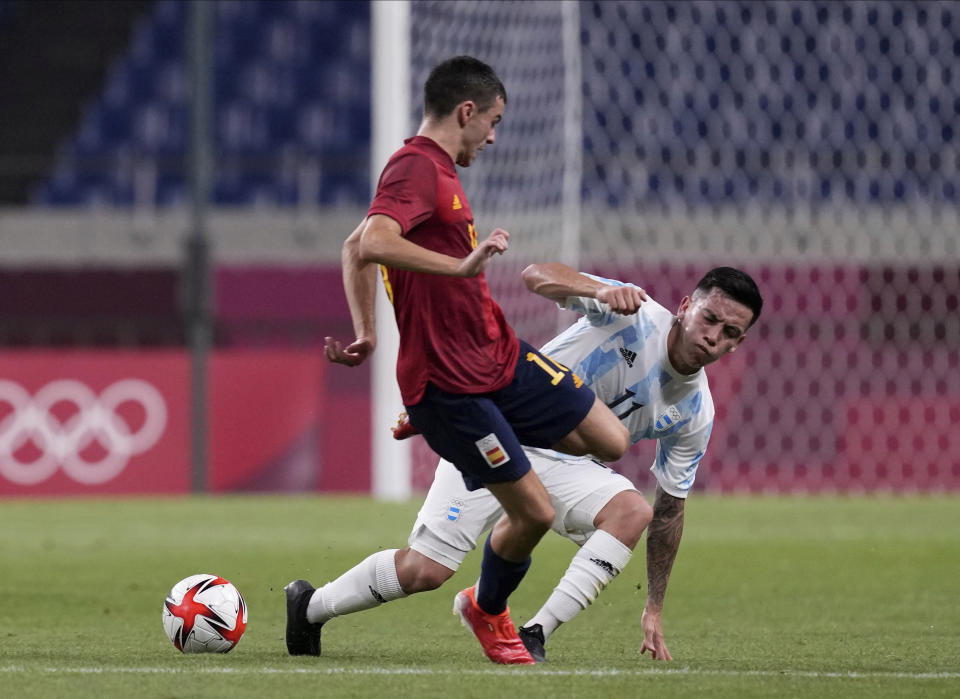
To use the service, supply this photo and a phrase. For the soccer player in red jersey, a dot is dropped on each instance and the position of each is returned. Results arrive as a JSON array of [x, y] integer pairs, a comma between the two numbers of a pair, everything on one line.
[[473, 390]]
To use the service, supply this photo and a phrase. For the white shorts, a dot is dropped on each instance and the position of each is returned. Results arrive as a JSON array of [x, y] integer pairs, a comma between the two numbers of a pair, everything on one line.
[[452, 518]]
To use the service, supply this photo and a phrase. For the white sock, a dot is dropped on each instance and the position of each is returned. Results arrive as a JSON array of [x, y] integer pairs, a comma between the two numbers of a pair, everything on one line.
[[597, 562], [370, 583]]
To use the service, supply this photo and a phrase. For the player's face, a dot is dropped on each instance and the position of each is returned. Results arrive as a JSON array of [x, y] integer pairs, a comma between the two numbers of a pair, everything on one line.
[[479, 131], [709, 325]]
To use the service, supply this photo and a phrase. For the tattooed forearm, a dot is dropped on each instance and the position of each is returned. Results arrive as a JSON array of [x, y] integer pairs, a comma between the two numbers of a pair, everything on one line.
[[663, 541]]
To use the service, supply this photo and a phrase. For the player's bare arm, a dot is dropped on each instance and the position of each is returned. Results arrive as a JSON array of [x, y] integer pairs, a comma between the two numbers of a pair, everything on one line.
[[382, 242], [360, 286], [557, 281], [663, 542]]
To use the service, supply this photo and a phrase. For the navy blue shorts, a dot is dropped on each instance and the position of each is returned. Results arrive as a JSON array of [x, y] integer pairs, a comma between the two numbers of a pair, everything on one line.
[[482, 433]]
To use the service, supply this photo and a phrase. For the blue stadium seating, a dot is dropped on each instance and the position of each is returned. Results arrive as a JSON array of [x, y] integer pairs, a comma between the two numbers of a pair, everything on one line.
[[713, 102], [290, 77], [781, 102]]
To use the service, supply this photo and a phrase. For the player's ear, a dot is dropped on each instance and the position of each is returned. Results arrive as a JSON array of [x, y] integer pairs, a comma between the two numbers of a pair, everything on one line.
[[739, 340], [465, 112], [682, 308]]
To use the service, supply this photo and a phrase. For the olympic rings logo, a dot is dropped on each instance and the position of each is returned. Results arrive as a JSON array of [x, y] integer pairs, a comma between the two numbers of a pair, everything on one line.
[[92, 419]]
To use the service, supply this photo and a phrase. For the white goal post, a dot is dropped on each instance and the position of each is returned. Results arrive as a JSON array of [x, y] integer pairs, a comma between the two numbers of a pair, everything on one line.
[[390, 459]]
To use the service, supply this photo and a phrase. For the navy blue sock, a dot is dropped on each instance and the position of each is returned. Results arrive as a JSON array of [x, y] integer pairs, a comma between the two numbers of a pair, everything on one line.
[[498, 579]]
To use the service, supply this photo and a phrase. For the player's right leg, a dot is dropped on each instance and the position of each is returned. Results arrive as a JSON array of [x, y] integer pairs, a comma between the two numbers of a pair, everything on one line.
[[528, 514], [603, 556], [482, 608], [448, 526], [368, 584], [471, 432], [602, 512]]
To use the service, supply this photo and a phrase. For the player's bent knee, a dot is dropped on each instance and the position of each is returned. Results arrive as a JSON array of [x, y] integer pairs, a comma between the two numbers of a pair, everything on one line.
[[528, 524], [533, 521], [417, 573], [639, 516], [525, 503], [613, 444], [431, 578], [540, 514], [542, 518], [625, 517]]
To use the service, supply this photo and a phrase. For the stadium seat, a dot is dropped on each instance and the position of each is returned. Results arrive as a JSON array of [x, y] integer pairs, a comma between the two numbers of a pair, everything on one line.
[[270, 97]]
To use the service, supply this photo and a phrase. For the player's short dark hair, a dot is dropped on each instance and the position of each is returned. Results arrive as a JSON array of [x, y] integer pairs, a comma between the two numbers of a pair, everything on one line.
[[457, 80], [736, 284]]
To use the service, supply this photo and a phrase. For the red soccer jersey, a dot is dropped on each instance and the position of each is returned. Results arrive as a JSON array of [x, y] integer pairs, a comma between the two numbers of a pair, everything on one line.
[[452, 333]]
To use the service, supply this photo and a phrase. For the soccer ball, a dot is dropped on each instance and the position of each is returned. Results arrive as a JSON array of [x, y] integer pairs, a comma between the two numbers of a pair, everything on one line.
[[204, 614]]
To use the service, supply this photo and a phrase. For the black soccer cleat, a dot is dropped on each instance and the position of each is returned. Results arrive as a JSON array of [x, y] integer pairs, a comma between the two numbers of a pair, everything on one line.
[[303, 638], [532, 637]]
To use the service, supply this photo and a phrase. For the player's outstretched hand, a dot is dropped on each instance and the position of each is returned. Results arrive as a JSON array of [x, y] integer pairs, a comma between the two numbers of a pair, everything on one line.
[[494, 244], [351, 355], [653, 636], [625, 300]]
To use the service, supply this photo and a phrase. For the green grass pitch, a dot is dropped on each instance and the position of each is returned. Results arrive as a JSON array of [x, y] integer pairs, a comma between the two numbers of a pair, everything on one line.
[[812, 597]]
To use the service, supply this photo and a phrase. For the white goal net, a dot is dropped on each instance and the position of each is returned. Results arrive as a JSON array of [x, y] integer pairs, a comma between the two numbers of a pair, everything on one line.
[[813, 144]]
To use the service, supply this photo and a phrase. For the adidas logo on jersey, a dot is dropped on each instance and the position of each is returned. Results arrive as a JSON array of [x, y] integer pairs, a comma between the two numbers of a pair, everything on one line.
[[628, 355], [456, 203]]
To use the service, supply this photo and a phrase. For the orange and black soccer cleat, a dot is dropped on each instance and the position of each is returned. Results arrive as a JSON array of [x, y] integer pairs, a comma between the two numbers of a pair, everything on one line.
[[495, 632], [532, 637]]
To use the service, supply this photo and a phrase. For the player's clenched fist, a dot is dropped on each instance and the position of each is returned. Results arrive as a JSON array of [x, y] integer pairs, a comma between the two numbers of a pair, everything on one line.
[[625, 300], [351, 355]]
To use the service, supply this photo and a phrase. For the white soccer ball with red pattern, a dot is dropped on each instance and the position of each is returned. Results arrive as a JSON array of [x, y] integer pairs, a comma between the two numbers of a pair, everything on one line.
[[204, 614]]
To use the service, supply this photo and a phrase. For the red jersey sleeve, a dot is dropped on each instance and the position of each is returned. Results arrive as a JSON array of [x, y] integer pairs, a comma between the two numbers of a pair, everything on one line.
[[407, 191]]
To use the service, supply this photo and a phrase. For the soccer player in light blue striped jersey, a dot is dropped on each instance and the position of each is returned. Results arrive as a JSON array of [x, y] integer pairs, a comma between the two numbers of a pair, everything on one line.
[[647, 364]]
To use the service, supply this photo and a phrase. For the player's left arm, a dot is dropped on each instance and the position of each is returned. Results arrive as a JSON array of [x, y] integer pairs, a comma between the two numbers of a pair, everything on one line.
[[663, 542], [557, 282]]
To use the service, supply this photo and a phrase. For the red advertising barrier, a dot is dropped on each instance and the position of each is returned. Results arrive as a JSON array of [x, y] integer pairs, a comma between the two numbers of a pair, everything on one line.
[[266, 420], [94, 422], [847, 384], [118, 422]]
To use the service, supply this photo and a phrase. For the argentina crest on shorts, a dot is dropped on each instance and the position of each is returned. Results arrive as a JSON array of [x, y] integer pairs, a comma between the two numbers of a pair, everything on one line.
[[454, 510], [492, 450]]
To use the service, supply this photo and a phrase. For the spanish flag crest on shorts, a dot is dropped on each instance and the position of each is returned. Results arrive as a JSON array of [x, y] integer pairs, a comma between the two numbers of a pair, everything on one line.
[[493, 452]]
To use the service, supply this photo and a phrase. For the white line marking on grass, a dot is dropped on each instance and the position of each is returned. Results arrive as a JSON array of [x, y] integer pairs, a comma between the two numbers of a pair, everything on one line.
[[360, 671]]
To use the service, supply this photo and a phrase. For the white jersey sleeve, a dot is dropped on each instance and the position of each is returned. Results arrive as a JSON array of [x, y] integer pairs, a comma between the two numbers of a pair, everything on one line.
[[678, 457], [596, 312]]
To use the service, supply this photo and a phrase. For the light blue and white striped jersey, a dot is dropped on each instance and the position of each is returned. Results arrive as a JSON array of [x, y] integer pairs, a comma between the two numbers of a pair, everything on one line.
[[624, 360]]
